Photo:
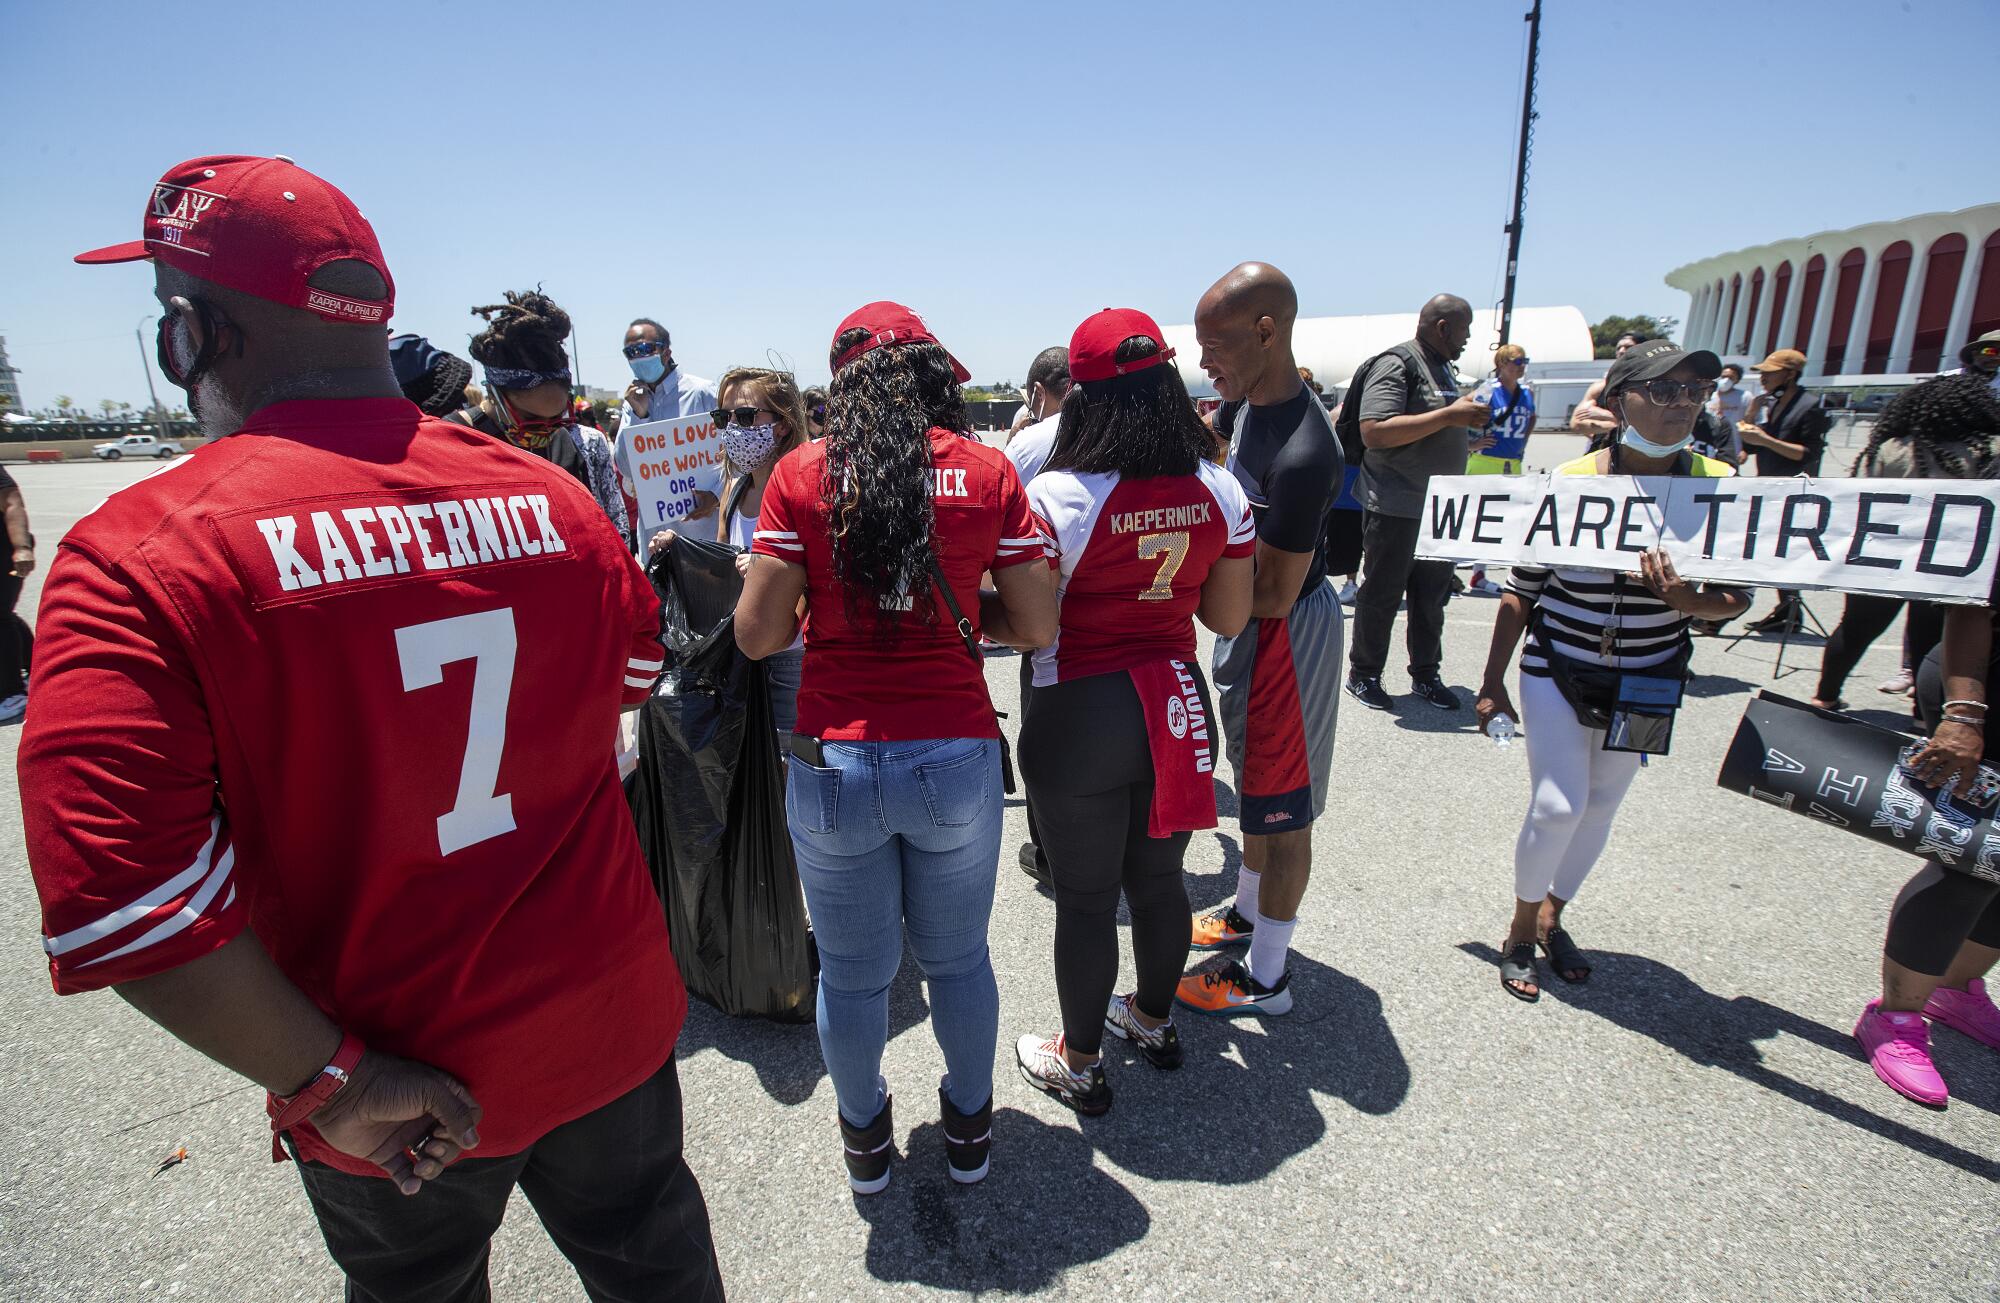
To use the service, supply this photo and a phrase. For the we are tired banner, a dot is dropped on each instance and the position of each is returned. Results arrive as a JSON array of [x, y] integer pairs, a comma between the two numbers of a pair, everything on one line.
[[1896, 538]]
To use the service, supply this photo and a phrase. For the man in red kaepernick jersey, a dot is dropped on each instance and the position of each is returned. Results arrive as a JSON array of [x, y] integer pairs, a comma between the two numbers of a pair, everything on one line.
[[318, 774]]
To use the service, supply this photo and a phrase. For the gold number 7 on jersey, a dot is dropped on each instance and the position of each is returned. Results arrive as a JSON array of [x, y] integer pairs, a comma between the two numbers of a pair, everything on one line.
[[1172, 549]]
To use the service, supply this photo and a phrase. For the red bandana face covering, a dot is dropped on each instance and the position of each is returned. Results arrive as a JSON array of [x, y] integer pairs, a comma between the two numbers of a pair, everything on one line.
[[530, 432]]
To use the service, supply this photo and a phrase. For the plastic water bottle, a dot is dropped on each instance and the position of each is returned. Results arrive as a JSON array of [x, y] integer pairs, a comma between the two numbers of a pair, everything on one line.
[[1501, 729]]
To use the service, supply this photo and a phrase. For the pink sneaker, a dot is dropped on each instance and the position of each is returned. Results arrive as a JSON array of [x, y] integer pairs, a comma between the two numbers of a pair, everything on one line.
[[1969, 1011], [1898, 1046]]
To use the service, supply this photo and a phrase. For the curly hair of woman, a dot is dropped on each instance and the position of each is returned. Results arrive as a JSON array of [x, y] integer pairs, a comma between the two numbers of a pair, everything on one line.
[[1940, 417], [881, 408]]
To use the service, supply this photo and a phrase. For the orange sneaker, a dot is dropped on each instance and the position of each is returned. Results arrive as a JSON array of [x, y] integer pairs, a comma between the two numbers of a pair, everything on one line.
[[1230, 991], [1219, 928]]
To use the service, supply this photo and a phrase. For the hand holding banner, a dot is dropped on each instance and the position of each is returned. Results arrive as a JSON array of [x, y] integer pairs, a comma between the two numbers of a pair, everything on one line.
[[1925, 539]]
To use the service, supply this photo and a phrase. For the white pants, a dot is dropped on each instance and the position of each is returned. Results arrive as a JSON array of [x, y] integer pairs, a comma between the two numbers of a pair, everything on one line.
[[1575, 788]]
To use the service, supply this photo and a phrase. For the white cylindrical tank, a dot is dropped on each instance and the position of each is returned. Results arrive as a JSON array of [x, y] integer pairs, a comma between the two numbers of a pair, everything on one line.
[[1334, 346]]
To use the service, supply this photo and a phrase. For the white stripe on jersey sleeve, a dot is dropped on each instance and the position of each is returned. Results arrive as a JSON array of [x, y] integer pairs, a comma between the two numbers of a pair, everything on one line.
[[125, 916], [181, 919], [645, 667], [1235, 503]]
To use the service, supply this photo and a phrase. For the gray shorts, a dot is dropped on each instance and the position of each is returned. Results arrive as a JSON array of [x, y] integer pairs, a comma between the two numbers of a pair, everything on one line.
[[1278, 686]]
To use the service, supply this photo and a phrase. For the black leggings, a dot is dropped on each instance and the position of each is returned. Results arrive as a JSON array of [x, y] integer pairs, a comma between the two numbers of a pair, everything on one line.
[[1939, 909], [1090, 777], [1862, 620]]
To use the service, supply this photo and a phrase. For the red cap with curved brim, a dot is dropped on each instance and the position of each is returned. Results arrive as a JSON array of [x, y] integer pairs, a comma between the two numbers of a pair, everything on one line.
[[262, 226], [889, 323], [1093, 349]]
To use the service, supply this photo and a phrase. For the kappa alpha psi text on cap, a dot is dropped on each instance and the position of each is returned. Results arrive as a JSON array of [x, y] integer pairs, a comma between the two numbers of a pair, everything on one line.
[[262, 226]]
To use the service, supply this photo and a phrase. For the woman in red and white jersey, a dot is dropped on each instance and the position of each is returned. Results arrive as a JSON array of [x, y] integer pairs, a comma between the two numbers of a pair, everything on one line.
[[1119, 745], [893, 794]]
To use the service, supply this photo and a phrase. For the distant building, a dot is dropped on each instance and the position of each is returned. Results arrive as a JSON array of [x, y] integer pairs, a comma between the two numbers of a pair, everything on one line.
[[10, 388], [1888, 298]]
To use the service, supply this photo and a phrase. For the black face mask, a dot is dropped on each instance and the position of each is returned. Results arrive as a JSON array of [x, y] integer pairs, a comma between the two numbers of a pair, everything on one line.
[[189, 378]]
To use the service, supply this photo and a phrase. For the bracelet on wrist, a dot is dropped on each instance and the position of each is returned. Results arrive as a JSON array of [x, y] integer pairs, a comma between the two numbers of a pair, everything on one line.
[[1965, 701], [1970, 721]]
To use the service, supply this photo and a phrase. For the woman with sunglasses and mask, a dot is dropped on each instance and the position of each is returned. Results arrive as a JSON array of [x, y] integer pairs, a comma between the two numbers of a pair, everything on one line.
[[1118, 748], [815, 400], [893, 789], [762, 417], [1581, 625], [528, 401]]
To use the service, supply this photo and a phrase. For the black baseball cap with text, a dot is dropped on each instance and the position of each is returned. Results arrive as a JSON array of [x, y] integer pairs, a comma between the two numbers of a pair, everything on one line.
[[1653, 359]]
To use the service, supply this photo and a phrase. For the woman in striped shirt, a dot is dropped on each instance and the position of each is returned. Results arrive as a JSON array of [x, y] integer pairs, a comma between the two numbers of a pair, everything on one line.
[[1599, 620]]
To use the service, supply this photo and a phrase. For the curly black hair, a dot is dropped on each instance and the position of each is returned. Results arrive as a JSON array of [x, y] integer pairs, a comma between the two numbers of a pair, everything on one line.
[[1939, 418], [1141, 425], [877, 484], [527, 331]]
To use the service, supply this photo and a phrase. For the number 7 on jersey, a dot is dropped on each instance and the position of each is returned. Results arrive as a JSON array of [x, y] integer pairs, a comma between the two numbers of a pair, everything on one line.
[[487, 640], [1172, 549]]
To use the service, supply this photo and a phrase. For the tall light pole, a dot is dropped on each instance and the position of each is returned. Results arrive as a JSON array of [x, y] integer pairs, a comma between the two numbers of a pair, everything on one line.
[[159, 413], [1528, 115]]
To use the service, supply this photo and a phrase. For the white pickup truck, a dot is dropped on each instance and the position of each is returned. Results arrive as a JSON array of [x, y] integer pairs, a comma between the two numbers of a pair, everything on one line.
[[137, 445]]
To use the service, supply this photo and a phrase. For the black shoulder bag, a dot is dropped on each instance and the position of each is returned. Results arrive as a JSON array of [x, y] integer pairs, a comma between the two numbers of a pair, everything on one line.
[[979, 660]]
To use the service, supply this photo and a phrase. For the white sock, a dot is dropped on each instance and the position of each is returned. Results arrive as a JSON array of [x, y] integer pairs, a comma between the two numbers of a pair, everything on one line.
[[1268, 946], [1246, 892]]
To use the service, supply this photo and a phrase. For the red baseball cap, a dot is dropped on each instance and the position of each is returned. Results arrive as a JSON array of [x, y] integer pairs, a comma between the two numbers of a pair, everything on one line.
[[889, 323], [260, 226], [1093, 349]]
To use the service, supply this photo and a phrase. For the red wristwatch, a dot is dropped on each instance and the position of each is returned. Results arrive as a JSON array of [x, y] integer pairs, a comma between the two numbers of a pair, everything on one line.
[[332, 1079]]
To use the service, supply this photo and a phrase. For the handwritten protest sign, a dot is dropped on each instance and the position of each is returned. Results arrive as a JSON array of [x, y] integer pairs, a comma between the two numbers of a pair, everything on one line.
[[1930, 539], [670, 460]]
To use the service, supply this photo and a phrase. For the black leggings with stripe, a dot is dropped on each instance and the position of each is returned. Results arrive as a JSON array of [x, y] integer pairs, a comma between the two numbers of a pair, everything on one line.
[[1090, 778]]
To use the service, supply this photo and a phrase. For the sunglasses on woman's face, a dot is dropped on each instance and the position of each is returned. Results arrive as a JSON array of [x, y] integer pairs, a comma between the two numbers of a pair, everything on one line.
[[1665, 393], [737, 415], [818, 414], [644, 348]]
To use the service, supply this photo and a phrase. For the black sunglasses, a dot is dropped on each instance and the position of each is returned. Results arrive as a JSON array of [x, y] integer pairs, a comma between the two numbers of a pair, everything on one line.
[[818, 413], [744, 415], [645, 348], [1665, 393]]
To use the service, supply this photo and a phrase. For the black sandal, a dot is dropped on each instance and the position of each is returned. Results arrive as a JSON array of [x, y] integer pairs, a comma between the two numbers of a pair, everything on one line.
[[1565, 957], [1518, 965]]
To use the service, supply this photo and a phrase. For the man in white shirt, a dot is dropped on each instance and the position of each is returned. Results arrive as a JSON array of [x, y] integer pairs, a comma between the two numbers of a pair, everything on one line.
[[1034, 434], [661, 391]]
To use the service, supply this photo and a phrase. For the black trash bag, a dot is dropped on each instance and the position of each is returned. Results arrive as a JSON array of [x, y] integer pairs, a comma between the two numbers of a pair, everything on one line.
[[709, 802]]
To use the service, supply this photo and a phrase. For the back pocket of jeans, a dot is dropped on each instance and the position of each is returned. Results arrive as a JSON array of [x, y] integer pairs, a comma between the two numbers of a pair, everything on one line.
[[812, 796], [956, 790]]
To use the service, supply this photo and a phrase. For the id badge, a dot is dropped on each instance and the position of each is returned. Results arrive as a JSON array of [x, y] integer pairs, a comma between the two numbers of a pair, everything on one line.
[[1642, 714]]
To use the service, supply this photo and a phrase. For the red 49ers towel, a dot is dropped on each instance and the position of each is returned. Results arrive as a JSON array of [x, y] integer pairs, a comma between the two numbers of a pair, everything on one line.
[[1177, 730]]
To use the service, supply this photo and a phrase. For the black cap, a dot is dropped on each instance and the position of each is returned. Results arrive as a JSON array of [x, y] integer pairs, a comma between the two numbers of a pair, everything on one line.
[[430, 377], [1653, 359]]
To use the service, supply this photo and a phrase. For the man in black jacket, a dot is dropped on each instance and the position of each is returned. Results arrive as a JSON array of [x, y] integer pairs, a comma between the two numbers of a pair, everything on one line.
[[1786, 434]]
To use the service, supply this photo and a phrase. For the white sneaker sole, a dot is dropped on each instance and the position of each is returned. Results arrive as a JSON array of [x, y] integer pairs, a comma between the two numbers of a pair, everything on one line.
[[973, 1177]]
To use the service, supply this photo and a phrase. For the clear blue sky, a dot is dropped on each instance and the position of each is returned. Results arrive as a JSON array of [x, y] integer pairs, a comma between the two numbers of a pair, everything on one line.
[[748, 173]]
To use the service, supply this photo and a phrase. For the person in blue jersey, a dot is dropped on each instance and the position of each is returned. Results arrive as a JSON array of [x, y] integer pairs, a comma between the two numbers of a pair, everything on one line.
[[1513, 405]]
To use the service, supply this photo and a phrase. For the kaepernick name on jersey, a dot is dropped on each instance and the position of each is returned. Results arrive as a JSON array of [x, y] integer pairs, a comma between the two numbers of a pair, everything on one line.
[[341, 546]]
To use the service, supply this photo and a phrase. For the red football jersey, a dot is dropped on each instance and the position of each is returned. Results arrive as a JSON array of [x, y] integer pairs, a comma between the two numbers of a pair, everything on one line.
[[1133, 556], [351, 678], [854, 688]]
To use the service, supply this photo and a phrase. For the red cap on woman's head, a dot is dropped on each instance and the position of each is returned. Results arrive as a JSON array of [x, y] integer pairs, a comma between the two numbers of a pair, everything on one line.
[[889, 323], [262, 226], [1093, 349]]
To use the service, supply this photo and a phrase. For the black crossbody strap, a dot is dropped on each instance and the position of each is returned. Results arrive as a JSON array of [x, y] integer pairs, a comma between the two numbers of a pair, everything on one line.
[[957, 615]]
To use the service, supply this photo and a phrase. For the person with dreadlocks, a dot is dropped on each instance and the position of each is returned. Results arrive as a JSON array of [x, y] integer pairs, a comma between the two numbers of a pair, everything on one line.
[[1942, 429], [1118, 748], [528, 401], [894, 782], [1944, 929]]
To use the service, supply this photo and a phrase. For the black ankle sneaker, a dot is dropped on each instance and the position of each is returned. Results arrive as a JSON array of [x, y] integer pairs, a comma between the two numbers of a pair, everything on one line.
[[869, 1150], [1434, 691], [1367, 689], [968, 1140]]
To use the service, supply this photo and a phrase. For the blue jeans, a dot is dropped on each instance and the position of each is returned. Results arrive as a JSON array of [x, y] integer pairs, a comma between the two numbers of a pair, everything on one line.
[[893, 836]]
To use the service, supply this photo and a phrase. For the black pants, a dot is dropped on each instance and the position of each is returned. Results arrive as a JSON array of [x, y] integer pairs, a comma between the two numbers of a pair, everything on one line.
[[1862, 620], [16, 642], [1940, 909], [611, 1187], [1390, 574], [1343, 540], [1028, 798], [1090, 776]]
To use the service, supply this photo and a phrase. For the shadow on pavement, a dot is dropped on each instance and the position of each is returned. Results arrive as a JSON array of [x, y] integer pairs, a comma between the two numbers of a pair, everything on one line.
[[1645, 996], [1704, 684], [1043, 1209], [785, 1056], [1247, 1085]]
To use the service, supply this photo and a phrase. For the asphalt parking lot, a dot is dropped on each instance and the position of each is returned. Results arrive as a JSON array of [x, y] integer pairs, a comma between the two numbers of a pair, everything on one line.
[[1695, 1123]]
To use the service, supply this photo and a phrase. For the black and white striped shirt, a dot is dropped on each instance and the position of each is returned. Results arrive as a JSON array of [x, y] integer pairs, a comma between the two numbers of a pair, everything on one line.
[[1577, 606]]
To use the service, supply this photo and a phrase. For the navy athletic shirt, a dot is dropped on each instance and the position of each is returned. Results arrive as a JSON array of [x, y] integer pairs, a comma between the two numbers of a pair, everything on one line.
[[1287, 459]]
